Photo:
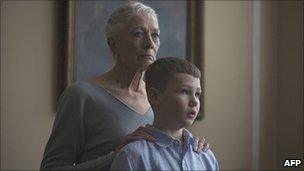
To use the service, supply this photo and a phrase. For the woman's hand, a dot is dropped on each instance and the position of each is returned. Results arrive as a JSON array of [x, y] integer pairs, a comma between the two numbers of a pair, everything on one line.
[[142, 133], [200, 145], [139, 133]]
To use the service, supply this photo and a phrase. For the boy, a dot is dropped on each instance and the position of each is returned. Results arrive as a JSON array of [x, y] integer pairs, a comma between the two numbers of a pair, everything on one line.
[[173, 89]]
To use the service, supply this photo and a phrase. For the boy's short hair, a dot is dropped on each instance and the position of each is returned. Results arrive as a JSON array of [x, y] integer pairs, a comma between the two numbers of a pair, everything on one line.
[[158, 74]]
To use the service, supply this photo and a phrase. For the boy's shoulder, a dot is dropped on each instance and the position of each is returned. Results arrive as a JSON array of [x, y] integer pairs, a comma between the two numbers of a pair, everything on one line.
[[208, 156], [136, 147], [209, 153], [204, 154]]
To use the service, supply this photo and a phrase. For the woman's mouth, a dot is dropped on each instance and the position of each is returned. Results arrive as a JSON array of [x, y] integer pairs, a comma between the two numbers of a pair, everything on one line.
[[147, 56]]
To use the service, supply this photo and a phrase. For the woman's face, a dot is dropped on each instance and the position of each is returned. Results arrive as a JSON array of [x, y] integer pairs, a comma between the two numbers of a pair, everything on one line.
[[137, 44]]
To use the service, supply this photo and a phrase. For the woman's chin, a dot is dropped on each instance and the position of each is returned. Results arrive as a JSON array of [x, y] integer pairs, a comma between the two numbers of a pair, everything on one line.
[[143, 66]]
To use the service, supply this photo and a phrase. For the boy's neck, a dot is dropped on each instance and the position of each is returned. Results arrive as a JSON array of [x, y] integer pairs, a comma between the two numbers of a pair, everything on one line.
[[176, 133]]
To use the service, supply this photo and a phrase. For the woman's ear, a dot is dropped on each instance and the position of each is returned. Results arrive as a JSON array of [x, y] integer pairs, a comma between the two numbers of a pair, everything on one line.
[[113, 47], [111, 44], [153, 96]]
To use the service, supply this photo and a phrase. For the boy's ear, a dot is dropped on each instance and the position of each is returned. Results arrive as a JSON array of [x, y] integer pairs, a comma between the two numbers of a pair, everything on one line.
[[153, 96]]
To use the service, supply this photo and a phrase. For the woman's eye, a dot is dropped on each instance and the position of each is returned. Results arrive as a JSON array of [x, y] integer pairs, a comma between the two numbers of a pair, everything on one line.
[[185, 91], [138, 34], [155, 36]]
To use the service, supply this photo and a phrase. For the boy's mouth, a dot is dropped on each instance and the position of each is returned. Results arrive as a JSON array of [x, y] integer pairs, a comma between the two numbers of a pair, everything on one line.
[[191, 114]]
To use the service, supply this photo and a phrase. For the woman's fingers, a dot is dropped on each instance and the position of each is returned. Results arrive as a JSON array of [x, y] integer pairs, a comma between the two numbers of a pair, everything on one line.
[[138, 134], [206, 147], [141, 133], [195, 144], [201, 145], [138, 137]]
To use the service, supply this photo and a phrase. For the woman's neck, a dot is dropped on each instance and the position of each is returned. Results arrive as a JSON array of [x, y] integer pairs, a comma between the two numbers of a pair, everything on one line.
[[125, 78]]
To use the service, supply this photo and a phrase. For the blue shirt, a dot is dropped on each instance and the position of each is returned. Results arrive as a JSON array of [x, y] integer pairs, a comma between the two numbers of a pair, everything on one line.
[[165, 153]]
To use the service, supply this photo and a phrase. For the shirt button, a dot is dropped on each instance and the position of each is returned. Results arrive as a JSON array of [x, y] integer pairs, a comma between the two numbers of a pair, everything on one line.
[[184, 165]]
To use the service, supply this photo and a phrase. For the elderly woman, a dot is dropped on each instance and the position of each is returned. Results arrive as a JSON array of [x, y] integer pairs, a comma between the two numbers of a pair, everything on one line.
[[93, 117]]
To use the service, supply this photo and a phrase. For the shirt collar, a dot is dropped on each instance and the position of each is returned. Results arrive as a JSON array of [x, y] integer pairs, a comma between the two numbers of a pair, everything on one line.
[[164, 140], [188, 137]]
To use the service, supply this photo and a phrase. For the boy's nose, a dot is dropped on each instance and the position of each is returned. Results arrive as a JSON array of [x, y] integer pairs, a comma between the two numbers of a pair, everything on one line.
[[194, 102]]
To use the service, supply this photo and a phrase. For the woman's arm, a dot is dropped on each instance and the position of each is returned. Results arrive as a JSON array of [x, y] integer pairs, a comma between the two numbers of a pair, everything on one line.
[[101, 163], [65, 145]]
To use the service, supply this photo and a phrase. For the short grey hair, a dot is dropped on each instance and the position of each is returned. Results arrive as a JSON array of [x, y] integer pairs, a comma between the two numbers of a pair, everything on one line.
[[120, 15]]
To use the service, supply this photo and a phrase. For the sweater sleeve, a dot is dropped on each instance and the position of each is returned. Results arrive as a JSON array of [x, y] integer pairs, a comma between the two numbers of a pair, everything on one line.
[[65, 145], [123, 161]]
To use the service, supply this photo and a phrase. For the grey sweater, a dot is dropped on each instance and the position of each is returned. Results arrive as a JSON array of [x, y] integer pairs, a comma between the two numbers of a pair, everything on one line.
[[89, 124]]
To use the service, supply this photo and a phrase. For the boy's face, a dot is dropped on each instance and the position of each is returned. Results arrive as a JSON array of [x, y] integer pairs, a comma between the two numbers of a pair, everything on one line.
[[179, 103]]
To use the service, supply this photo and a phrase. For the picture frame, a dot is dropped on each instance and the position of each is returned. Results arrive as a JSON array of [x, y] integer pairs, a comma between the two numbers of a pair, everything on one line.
[[86, 52]]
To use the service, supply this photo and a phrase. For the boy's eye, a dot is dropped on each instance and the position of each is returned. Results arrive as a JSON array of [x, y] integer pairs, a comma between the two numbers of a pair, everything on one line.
[[197, 94]]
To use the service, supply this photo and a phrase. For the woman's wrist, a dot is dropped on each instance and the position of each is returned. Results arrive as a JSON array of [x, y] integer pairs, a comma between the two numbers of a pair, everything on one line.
[[112, 155]]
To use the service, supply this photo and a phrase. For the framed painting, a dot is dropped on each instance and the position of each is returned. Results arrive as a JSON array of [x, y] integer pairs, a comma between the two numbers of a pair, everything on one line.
[[87, 54]]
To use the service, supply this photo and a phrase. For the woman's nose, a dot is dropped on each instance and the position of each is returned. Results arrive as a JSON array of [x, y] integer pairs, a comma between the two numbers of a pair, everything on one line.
[[148, 42]]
